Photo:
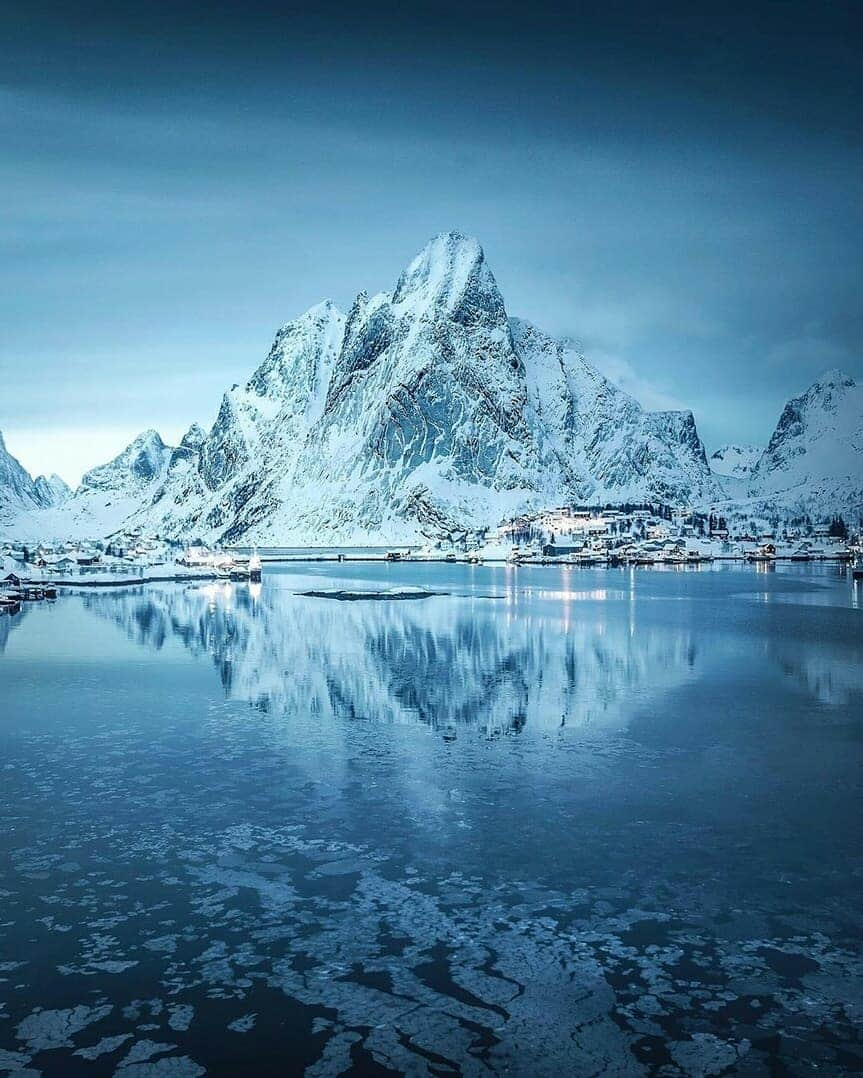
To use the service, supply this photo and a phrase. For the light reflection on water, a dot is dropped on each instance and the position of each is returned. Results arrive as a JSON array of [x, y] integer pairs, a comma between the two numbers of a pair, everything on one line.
[[547, 822]]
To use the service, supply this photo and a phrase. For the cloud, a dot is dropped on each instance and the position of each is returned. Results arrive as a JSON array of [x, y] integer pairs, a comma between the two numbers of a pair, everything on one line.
[[623, 374], [810, 354]]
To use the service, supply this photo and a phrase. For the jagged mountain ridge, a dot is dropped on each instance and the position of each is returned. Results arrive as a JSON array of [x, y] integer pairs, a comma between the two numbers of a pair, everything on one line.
[[17, 489]]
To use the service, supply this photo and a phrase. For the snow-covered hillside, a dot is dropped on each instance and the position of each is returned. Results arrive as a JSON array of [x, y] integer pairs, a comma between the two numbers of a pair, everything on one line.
[[735, 461], [429, 411]]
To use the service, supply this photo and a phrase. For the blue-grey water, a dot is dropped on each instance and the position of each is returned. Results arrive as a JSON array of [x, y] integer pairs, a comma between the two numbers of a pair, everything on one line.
[[552, 822]]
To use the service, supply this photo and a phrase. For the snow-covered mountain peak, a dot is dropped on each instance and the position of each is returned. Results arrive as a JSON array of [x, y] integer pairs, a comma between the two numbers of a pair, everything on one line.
[[142, 461], [427, 411], [832, 403], [828, 391], [295, 375], [194, 437], [322, 311], [834, 379], [186, 453], [451, 274]]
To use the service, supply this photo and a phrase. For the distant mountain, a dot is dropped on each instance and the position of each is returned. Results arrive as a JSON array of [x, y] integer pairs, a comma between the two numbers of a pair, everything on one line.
[[142, 461], [107, 497], [51, 490], [735, 461], [814, 461], [20, 493]]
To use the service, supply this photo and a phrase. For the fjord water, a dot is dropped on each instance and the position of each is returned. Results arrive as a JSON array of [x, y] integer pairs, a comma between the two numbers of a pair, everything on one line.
[[552, 821]]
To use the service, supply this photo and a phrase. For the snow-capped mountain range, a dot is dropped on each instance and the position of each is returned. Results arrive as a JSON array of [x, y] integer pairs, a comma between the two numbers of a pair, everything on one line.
[[428, 411]]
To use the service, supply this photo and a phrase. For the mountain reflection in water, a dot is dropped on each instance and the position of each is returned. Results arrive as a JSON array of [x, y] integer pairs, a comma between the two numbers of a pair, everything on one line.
[[447, 662], [542, 658]]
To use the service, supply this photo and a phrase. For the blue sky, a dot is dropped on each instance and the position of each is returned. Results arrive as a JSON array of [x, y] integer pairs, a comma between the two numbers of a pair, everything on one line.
[[677, 189]]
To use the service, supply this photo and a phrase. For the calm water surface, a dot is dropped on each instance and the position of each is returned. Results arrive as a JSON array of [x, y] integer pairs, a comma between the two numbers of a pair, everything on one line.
[[553, 822]]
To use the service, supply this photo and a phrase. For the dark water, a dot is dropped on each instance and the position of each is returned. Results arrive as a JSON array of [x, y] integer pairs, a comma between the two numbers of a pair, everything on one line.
[[555, 822]]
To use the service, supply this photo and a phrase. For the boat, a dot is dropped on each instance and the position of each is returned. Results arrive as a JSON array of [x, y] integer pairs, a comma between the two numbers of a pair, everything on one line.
[[857, 569], [474, 559], [393, 555], [255, 568], [239, 570], [450, 559]]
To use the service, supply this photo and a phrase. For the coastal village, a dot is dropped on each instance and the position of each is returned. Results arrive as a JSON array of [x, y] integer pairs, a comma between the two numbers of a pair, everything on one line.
[[670, 535], [641, 536], [32, 572]]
